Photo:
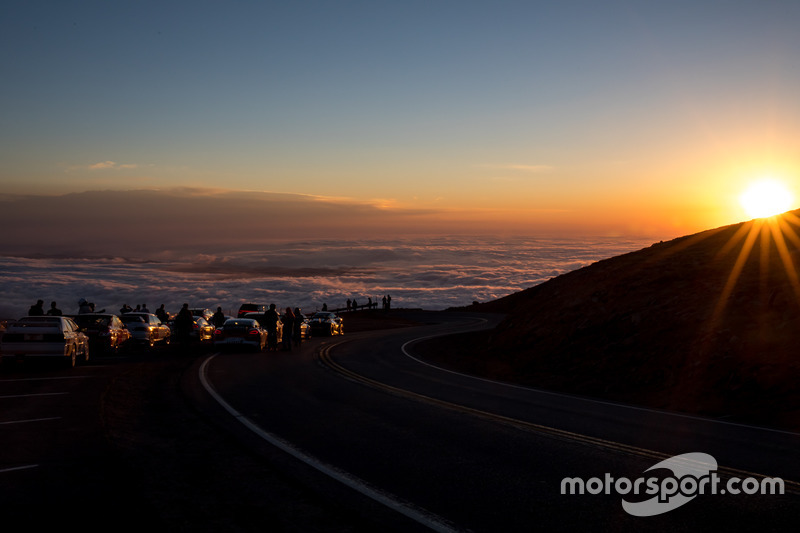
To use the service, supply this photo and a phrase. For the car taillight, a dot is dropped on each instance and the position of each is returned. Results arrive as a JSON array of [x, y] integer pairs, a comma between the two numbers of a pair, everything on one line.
[[217, 332], [254, 332]]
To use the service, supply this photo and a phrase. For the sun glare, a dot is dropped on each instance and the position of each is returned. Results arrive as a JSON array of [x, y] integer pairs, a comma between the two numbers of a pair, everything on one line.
[[766, 198]]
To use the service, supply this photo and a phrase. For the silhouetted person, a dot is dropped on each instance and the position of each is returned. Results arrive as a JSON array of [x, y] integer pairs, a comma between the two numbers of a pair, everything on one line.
[[355, 305], [218, 318], [324, 307], [388, 301], [349, 303], [125, 309], [288, 328], [84, 307], [271, 317], [37, 309], [53, 311], [162, 314], [298, 323], [384, 303], [145, 309], [183, 325]]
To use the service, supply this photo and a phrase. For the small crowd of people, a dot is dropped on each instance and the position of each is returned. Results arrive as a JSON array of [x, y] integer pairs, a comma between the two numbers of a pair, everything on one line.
[[353, 305], [291, 320]]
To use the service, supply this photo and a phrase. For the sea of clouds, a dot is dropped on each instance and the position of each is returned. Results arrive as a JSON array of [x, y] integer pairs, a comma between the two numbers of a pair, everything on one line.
[[431, 273]]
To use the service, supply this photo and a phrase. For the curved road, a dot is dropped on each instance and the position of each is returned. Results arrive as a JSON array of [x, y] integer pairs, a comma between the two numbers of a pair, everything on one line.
[[367, 423]]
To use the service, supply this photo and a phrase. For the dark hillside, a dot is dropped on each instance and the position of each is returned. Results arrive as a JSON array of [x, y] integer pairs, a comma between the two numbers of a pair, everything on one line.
[[672, 326]]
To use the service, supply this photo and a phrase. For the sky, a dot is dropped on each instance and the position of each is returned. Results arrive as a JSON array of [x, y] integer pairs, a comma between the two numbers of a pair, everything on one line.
[[349, 118]]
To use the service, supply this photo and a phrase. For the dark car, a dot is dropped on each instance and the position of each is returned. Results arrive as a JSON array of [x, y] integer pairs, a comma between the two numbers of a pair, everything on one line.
[[326, 323], [202, 312], [262, 319], [241, 332], [202, 330], [251, 308], [106, 332]]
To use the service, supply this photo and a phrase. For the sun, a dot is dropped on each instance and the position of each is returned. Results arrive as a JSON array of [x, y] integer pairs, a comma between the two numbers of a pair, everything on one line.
[[766, 198]]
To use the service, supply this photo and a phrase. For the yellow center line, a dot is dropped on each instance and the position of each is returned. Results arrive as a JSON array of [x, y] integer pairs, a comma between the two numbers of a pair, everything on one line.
[[325, 357]]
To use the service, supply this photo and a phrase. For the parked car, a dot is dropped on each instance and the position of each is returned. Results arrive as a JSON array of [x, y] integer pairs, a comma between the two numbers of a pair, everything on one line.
[[262, 319], [202, 329], [251, 308], [202, 312], [106, 332], [56, 337], [241, 332], [147, 328], [305, 328], [326, 323]]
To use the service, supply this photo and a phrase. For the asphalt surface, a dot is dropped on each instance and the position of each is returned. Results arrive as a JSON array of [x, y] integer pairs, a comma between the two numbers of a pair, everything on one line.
[[352, 433], [446, 451]]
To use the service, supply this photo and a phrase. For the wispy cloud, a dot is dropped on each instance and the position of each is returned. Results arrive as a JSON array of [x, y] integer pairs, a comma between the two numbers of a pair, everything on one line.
[[533, 169], [112, 165]]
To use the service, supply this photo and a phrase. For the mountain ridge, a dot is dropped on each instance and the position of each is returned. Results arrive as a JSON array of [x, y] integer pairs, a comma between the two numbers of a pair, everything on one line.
[[706, 324]]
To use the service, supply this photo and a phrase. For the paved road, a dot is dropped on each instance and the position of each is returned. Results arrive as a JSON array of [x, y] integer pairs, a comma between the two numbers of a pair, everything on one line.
[[56, 465], [419, 447]]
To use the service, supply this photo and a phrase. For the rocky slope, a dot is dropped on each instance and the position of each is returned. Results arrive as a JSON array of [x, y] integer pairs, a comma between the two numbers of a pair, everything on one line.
[[708, 323]]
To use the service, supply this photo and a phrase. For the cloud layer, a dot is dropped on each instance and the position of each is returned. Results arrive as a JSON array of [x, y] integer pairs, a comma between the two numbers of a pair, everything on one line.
[[432, 273]]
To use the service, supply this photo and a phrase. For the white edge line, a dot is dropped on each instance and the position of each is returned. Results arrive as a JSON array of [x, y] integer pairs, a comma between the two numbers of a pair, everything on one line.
[[583, 398], [32, 395], [15, 468], [425, 518], [30, 420]]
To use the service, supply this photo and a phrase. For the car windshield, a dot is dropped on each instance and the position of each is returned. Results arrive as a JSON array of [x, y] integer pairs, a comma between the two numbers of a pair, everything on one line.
[[132, 318]]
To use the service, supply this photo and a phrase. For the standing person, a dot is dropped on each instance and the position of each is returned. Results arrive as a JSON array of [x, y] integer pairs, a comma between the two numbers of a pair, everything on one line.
[[272, 318], [37, 309], [355, 305], [125, 309], [324, 307], [84, 306], [298, 322], [218, 318], [384, 302], [145, 309], [53, 311], [183, 325], [388, 301], [348, 304], [288, 328], [162, 314]]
